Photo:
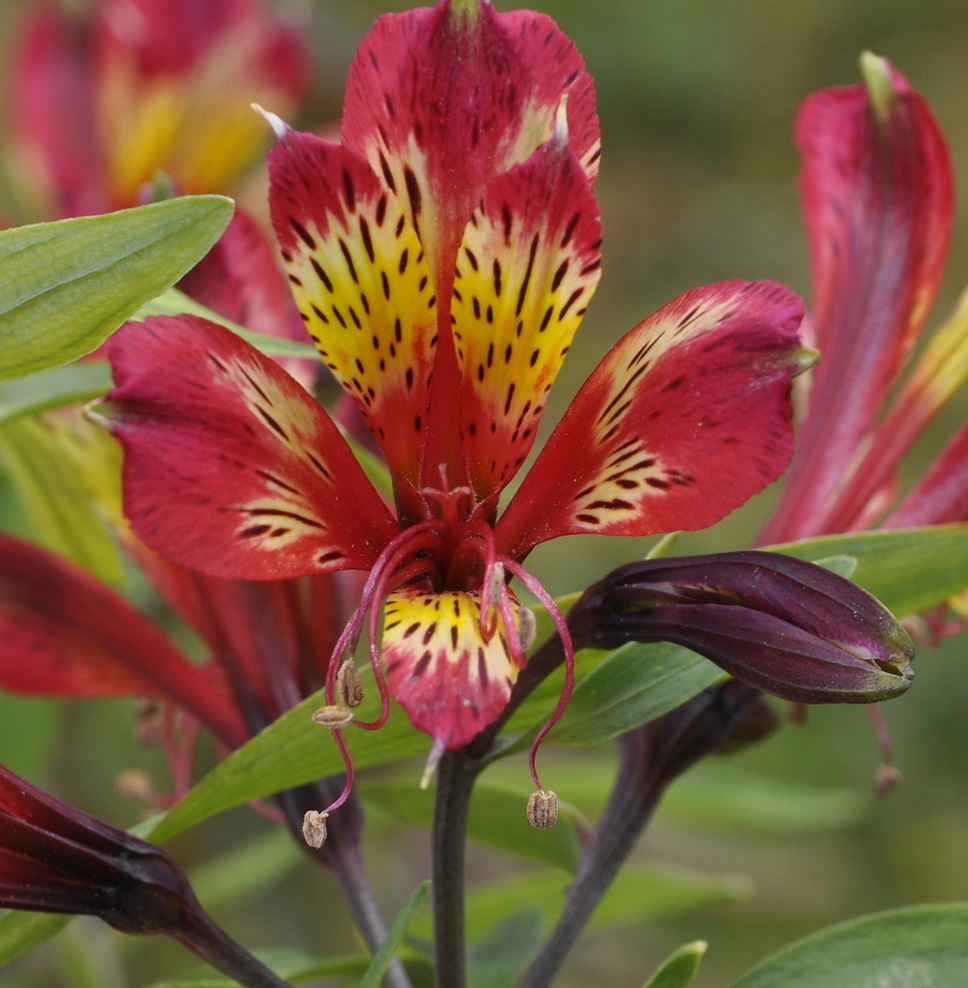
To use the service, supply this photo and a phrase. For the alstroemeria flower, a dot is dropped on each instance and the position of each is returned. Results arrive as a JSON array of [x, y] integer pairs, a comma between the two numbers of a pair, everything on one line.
[[442, 257], [877, 189], [101, 105], [54, 858]]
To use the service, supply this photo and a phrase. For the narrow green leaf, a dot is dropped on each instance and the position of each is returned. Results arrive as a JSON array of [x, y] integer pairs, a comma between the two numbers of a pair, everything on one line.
[[641, 892], [723, 796], [920, 947], [908, 570], [21, 932], [53, 388], [65, 286], [497, 960], [497, 818], [176, 303], [633, 686], [680, 967], [290, 752], [59, 508], [247, 869], [389, 947]]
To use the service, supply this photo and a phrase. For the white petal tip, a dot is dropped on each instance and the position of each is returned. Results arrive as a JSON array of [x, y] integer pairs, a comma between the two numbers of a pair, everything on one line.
[[279, 126], [561, 122], [436, 753]]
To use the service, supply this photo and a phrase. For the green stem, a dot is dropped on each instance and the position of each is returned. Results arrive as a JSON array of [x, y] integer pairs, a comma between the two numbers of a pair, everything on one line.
[[455, 783]]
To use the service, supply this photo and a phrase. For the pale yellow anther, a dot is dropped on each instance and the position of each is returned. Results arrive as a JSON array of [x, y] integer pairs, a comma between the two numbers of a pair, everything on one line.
[[333, 716], [349, 685], [542, 809], [527, 628], [314, 828]]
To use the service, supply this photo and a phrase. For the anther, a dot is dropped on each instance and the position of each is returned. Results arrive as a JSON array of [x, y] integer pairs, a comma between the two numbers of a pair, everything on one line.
[[542, 809], [314, 828], [333, 716], [527, 628], [349, 685]]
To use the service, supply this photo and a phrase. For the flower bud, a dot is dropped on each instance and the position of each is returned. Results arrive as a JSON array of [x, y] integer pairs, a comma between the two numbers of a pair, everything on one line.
[[781, 624]]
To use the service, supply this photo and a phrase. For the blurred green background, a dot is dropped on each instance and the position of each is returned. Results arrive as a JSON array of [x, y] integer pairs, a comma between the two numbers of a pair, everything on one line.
[[698, 184]]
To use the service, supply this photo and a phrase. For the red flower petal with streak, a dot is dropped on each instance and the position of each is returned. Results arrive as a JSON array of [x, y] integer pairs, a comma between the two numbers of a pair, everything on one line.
[[878, 199], [230, 466], [686, 417]]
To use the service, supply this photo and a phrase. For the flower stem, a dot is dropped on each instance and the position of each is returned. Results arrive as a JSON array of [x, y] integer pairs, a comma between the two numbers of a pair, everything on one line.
[[455, 783], [207, 940]]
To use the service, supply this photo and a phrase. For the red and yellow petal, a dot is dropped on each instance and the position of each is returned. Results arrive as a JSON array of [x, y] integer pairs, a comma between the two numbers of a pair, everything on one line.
[[685, 418], [231, 467], [878, 199], [449, 679], [526, 271], [441, 100], [361, 283]]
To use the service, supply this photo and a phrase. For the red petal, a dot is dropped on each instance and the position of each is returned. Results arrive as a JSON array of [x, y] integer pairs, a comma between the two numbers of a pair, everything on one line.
[[451, 682], [685, 418], [53, 111], [230, 466], [877, 192], [64, 634], [526, 271], [941, 495], [441, 100], [362, 285]]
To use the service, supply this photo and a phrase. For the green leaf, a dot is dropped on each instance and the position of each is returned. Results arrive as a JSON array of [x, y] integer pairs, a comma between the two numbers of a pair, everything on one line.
[[920, 947], [176, 303], [65, 286], [642, 891], [21, 932], [497, 960], [53, 388], [497, 818], [723, 796], [290, 752], [680, 967], [633, 686], [61, 513], [246, 869], [908, 570], [381, 960]]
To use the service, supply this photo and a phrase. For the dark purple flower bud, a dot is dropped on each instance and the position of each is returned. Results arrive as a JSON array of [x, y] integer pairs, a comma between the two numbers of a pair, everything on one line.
[[786, 626], [54, 858]]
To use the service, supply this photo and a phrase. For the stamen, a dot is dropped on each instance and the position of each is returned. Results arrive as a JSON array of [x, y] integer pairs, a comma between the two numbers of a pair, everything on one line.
[[332, 716], [542, 809], [349, 685], [527, 629], [314, 828], [565, 635]]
